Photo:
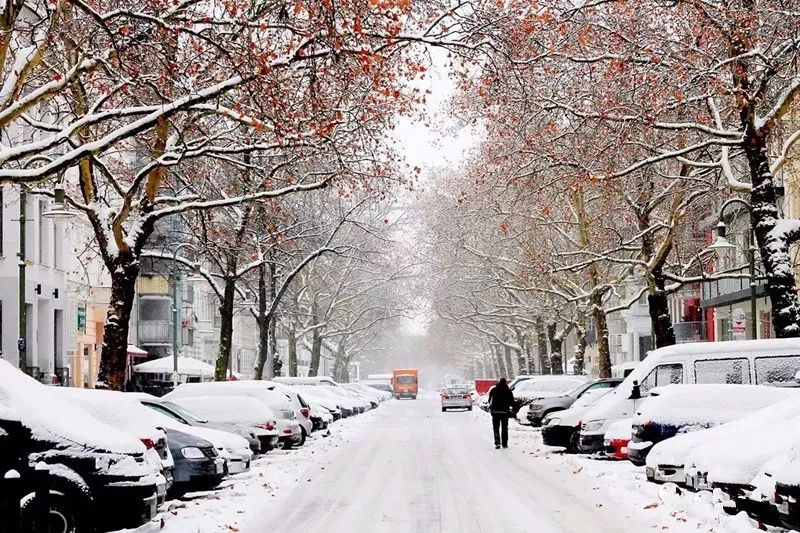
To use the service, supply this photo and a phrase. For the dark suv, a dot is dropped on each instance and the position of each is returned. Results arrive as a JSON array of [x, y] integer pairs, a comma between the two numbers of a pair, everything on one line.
[[91, 489]]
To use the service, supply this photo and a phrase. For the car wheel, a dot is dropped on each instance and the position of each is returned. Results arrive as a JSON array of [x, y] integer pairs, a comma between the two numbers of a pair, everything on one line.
[[444, 409], [287, 445], [572, 443], [303, 436], [414, 397], [469, 408], [69, 510]]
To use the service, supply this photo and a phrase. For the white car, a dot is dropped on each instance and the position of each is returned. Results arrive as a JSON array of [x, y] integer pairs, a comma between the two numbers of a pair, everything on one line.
[[244, 410], [562, 428], [456, 398], [289, 430]]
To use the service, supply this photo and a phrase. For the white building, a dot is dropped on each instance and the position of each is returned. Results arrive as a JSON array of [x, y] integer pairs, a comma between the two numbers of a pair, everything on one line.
[[45, 289]]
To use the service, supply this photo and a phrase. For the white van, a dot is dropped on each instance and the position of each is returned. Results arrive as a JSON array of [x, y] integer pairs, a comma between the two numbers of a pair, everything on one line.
[[754, 362]]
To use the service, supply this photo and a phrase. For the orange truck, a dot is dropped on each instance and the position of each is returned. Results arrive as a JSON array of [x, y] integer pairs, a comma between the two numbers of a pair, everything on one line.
[[405, 383]]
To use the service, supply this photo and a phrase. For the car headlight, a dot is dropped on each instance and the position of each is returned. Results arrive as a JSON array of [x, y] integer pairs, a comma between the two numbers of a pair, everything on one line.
[[592, 425], [537, 407], [551, 421], [191, 452]]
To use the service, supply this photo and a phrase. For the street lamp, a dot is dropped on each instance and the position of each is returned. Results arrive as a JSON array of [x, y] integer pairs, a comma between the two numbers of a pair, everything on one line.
[[722, 245], [176, 309], [59, 211]]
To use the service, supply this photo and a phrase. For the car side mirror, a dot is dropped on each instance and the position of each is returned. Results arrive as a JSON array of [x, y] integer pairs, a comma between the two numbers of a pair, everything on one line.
[[636, 391]]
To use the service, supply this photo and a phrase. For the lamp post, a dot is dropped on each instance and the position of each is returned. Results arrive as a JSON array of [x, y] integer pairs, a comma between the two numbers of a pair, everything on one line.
[[722, 244], [176, 310]]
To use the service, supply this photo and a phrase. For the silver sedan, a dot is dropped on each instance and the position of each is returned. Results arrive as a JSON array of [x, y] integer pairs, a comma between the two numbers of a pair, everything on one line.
[[456, 398]]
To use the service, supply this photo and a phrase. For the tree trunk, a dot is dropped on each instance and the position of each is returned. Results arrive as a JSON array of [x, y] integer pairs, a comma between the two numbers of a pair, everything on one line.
[[262, 320], [522, 365], [603, 351], [529, 356], [556, 348], [774, 248], [316, 353], [274, 357], [501, 365], [292, 342], [226, 330], [660, 319], [580, 351], [541, 345], [508, 361], [114, 356]]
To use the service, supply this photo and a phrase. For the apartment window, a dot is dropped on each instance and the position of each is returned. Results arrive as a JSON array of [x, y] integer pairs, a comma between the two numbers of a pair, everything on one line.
[[44, 235]]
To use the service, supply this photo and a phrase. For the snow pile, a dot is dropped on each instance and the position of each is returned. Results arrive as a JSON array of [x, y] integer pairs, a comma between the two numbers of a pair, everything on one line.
[[707, 405], [52, 419], [789, 473]]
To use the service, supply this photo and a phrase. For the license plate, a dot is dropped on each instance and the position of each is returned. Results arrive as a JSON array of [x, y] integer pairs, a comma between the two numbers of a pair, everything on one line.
[[220, 467], [650, 472]]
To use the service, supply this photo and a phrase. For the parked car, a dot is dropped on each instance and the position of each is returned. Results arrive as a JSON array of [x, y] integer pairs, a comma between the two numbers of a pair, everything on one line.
[[384, 387], [683, 408], [198, 465], [752, 362], [373, 399], [542, 407], [111, 405], [302, 411], [328, 399], [761, 500], [289, 430], [667, 461], [562, 428], [456, 398], [241, 411], [254, 435], [538, 386], [786, 476], [127, 416], [100, 478]]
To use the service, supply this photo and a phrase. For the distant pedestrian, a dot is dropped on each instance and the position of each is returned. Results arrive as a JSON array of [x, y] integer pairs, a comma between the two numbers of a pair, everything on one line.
[[501, 400]]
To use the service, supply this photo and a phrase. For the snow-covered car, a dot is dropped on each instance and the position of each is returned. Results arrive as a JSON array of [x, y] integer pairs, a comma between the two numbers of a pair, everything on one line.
[[289, 430], [786, 476], [256, 436], [545, 387], [302, 411], [541, 407], [675, 409], [328, 399], [373, 399], [126, 416], [99, 476], [320, 417], [760, 499], [730, 464], [108, 405], [617, 439], [243, 411], [455, 398], [562, 428], [667, 460]]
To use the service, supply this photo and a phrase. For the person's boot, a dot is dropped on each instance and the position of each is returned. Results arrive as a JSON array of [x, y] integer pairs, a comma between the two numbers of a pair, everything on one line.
[[496, 446], [505, 445]]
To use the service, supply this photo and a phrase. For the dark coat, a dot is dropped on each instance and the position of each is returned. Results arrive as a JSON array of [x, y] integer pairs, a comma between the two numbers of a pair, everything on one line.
[[501, 399]]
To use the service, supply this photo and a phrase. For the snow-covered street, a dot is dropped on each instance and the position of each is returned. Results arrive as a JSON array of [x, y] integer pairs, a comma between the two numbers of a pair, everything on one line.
[[415, 468]]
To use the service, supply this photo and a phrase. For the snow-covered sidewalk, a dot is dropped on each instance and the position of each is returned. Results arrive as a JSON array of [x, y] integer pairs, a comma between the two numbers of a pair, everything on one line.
[[625, 487]]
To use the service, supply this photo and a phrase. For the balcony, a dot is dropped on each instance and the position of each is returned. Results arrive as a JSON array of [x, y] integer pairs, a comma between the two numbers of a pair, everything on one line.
[[155, 332], [689, 332], [727, 291]]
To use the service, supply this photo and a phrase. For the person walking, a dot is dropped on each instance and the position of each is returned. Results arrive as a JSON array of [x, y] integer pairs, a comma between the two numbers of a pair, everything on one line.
[[501, 400]]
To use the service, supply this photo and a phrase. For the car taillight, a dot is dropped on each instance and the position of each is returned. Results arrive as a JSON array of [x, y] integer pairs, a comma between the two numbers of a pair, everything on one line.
[[269, 425], [305, 412], [467, 396], [445, 397], [287, 431], [148, 443]]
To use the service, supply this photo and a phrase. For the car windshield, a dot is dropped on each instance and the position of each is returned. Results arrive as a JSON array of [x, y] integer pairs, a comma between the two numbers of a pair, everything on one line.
[[405, 380], [183, 413], [456, 391]]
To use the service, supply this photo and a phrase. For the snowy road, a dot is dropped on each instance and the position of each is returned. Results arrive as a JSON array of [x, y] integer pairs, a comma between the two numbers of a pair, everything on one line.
[[420, 470]]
